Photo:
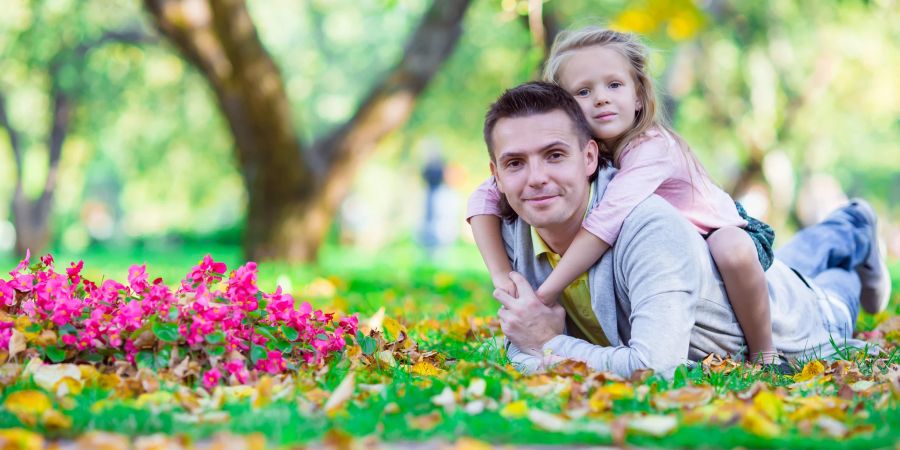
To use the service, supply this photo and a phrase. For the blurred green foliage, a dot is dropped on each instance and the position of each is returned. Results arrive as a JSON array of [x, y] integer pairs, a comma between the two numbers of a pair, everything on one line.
[[149, 159]]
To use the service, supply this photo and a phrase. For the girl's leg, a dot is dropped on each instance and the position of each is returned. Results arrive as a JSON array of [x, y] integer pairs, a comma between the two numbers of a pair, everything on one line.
[[745, 281]]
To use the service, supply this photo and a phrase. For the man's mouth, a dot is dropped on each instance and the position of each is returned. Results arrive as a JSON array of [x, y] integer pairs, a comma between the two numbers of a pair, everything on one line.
[[540, 200]]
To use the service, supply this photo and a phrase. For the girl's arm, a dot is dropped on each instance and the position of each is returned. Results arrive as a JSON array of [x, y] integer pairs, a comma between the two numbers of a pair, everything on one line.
[[642, 170], [583, 252], [486, 230], [483, 215]]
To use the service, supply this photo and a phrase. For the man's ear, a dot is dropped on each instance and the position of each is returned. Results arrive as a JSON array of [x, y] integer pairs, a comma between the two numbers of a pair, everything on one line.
[[496, 178], [591, 155]]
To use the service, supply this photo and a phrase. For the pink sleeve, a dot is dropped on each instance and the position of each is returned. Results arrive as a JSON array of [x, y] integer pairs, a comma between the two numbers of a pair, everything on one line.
[[642, 169], [484, 201]]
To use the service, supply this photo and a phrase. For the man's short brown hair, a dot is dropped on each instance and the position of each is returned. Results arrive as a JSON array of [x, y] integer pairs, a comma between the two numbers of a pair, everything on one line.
[[528, 99]]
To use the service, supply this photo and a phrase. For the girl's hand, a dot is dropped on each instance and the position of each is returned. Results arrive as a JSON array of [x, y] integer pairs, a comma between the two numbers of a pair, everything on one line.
[[504, 283], [546, 296]]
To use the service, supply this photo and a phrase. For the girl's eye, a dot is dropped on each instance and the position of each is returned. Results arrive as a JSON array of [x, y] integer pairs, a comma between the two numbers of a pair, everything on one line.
[[615, 85], [582, 92]]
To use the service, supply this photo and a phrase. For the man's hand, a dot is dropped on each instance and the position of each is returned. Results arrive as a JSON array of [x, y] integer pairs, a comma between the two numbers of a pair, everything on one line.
[[526, 321], [504, 283]]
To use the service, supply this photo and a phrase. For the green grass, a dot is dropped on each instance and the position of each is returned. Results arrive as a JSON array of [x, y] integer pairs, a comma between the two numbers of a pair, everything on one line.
[[413, 291]]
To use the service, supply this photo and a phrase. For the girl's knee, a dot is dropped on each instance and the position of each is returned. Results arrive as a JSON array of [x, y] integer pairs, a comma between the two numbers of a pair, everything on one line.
[[736, 253]]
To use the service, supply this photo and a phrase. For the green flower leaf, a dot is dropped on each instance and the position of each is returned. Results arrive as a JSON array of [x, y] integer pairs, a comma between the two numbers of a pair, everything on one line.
[[366, 343], [215, 338], [290, 333], [55, 353], [257, 352], [167, 332]]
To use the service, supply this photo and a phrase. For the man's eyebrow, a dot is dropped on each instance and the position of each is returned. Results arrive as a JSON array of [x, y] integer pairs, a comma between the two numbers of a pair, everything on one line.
[[553, 144]]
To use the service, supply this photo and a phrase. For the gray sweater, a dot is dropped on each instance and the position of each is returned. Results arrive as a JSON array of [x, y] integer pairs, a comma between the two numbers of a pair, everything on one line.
[[661, 302]]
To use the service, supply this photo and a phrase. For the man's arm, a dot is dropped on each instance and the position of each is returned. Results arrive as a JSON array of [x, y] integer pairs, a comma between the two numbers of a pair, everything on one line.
[[654, 258]]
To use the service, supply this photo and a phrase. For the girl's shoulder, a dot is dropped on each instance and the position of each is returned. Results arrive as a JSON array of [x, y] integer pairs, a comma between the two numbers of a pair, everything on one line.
[[655, 138]]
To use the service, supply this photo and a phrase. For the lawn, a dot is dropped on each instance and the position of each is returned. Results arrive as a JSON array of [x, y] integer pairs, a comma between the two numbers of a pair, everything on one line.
[[425, 364]]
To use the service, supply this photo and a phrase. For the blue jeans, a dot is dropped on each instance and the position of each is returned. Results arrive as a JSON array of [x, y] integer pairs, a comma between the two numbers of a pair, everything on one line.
[[828, 253]]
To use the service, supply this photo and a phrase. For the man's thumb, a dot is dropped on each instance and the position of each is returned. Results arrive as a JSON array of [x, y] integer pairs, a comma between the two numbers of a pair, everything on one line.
[[522, 285]]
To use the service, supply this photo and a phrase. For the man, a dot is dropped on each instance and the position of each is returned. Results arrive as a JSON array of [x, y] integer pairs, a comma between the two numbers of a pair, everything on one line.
[[655, 300]]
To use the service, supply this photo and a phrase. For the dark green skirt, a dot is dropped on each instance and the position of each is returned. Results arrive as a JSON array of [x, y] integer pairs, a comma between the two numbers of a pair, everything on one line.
[[763, 237]]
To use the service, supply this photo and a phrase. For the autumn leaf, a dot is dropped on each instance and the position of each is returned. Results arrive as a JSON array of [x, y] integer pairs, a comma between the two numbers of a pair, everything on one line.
[[653, 424], [686, 397], [20, 439], [547, 421], [341, 394], [515, 410], [811, 370], [425, 368], [16, 344], [27, 405], [425, 422], [769, 404]]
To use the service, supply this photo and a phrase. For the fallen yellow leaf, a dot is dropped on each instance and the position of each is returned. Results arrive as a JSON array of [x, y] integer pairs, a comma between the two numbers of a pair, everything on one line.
[[515, 410], [757, 423], [55, 420], [27, 405], [393, 328], [48, 376], [20, 439], [425, 368], [810, 371], [769, 404]]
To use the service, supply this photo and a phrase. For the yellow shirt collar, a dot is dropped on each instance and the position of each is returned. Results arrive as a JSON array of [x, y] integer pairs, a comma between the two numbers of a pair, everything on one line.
[[541, 247]]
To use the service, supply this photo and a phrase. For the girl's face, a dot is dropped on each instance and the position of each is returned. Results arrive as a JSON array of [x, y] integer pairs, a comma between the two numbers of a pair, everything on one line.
[[600, 79]]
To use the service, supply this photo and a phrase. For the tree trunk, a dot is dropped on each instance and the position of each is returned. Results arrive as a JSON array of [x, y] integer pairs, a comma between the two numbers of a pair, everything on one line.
[[293, 191]]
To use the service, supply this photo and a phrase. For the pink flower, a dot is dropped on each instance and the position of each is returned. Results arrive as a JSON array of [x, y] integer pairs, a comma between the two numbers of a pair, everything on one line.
[[242, 288], [211, 378], [137, 278], [207, 272], [238, 369], [7, 293], [273, 363], [47, 260], [74, 272]]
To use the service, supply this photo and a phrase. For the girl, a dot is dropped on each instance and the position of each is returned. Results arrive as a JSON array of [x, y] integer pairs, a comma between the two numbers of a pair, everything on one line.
[[606, 73]]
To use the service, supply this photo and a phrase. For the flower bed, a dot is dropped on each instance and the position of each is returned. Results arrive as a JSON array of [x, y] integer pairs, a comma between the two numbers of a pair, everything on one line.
[[225, 328]]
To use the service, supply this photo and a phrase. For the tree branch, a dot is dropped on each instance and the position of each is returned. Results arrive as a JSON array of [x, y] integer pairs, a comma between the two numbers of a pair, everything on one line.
[[391, 101], [13, 134]]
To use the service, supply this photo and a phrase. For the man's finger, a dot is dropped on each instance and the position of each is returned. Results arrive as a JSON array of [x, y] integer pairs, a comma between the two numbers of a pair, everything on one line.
[[504, 298], [522, 285]]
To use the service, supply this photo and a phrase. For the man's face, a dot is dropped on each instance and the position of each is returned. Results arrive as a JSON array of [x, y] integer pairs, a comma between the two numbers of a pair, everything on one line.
[[542, 168]]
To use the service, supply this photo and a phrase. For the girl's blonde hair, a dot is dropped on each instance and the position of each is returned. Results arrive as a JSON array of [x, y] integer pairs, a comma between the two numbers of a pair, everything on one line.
[[629, 46]]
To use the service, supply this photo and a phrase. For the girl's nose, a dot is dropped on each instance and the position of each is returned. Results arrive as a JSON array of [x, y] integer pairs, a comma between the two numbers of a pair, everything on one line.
[[600, 97]]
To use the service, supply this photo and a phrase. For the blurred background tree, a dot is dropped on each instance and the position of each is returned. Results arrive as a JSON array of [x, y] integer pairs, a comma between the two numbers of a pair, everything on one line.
[[244, 113]]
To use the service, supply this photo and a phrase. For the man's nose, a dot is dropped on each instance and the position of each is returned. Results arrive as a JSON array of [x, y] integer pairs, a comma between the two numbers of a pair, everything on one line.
[[537, 175]]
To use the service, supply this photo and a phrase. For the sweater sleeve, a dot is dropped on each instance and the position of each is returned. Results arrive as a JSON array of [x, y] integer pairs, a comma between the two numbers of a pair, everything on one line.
[[662, 292], [643, 168], [485, 200]]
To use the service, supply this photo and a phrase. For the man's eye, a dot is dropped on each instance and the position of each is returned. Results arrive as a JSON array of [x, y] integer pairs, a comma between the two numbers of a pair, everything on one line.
[[582, 92], [513, 164], [556, 155]]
